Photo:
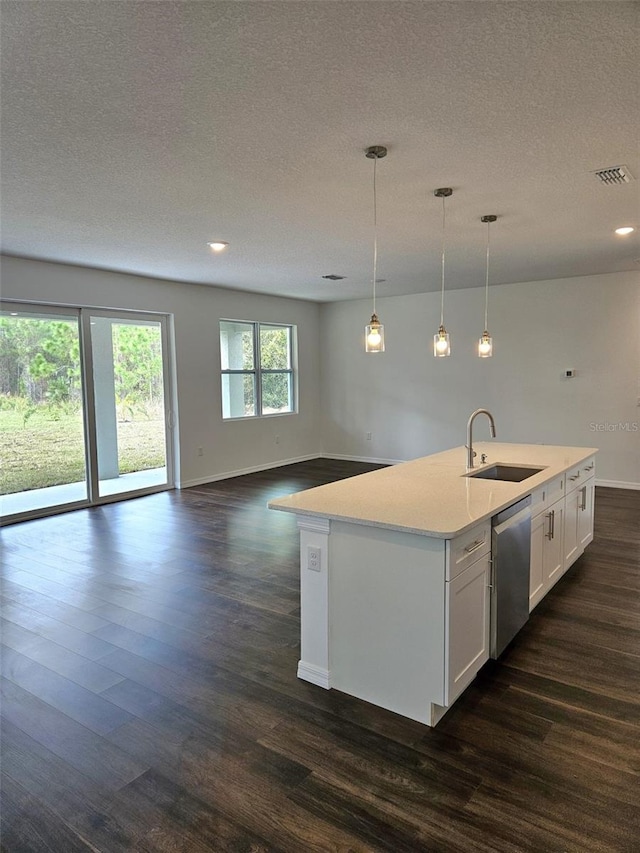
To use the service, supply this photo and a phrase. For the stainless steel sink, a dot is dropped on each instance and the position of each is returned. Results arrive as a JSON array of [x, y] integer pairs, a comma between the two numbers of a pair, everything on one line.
[[506, 472]]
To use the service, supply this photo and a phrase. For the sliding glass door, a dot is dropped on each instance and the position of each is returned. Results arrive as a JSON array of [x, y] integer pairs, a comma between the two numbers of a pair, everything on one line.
[[129, 402], [42, 438], [84, 411]]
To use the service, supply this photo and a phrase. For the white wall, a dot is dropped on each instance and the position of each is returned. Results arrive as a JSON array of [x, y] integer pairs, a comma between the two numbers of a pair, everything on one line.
[[414, 404], [228, 445]]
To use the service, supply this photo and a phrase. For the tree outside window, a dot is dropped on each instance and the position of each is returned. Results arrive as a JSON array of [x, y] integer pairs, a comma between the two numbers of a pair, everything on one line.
[[257, 369]]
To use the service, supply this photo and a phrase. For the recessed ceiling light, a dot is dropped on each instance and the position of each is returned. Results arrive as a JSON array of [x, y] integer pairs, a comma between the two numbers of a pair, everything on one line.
[[626, 229], [217, 245]]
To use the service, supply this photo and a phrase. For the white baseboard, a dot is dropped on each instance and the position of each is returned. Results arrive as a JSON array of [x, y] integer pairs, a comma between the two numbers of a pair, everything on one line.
[[314, 674], [226, 475], [617, 484], [375, 460]]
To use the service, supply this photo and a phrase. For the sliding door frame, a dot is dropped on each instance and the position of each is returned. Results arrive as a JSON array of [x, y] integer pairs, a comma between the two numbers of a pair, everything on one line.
[[83, 315], [91, 425]]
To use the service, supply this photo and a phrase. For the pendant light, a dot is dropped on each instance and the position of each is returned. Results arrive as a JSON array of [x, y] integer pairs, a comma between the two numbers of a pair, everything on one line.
[[374, 331], [441, 342], [485, 344]]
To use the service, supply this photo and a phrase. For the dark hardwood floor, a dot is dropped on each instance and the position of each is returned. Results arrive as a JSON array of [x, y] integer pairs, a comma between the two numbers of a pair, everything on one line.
[[150, 699]]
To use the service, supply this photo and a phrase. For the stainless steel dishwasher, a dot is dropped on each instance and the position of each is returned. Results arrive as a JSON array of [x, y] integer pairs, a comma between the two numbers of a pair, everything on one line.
[[511, 558]]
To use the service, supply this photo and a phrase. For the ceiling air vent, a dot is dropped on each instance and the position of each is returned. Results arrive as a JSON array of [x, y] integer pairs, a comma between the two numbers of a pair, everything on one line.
[[614, 175], [334, 277]]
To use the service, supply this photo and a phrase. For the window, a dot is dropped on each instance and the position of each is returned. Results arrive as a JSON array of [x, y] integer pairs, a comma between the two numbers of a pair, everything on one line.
[[257, 369]]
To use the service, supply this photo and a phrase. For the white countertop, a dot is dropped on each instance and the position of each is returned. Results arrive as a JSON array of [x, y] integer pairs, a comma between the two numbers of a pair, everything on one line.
[[431, 496]]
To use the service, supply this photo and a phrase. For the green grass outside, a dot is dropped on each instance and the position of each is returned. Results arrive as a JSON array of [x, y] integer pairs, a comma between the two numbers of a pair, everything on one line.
[[45, 452]]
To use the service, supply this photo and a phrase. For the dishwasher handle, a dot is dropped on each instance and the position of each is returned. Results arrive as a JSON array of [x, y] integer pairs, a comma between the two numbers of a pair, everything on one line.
[[512, 521], [511, 511]]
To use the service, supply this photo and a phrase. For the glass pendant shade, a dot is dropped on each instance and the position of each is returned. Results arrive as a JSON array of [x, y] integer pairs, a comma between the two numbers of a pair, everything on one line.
[[374, 332], [441, 343], [485, 346], [374, 335]]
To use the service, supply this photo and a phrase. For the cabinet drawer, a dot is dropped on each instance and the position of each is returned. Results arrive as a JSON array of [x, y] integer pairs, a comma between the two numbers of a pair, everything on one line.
[[579, 473], [538, 497], [554, 490], [467, 548], [574, 475], [546, 495]]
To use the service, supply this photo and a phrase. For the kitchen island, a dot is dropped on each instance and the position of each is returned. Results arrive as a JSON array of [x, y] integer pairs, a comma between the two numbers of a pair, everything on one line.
[[396, 568]]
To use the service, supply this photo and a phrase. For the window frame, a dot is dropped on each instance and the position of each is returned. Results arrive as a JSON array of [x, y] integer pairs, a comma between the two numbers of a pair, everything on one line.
[[257, 371]]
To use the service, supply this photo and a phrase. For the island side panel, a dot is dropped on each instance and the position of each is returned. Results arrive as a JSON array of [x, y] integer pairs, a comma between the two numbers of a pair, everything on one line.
[[313, 665], [386, 618]]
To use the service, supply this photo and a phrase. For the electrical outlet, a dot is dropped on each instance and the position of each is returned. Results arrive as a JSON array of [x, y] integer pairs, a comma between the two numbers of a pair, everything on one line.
[[368, 436], [200, 452], [277, 439], [314, 556]]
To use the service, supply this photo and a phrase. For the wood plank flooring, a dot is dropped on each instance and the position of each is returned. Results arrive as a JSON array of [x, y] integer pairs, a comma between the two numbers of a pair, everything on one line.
[[150, 699]]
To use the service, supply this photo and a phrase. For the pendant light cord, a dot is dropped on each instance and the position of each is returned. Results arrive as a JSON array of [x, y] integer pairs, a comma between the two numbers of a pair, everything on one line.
[[486, 283], [443, 247], [375, 233]]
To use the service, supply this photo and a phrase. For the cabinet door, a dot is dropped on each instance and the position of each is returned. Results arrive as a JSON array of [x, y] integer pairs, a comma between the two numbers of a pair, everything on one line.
[[553, 541], [585, 513], [571, 542], [537, 574], [467, 646]]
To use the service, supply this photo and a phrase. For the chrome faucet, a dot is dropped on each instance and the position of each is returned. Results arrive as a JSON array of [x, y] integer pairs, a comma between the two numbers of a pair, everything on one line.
[[469, 445]]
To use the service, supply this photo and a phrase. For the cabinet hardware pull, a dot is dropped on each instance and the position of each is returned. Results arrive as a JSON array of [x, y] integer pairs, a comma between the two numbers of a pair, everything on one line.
[[575, 478], [552, 524], [583, 502], [590, 467], [474, 546]]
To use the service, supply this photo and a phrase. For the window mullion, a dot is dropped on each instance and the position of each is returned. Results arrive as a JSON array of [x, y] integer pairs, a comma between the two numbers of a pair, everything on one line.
[[258, 367]]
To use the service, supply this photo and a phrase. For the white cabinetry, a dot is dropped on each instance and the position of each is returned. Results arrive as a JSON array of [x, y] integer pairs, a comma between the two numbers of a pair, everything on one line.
[[467, 626], [585, 512], [578, 520], [547, 530], [409, 624], [547, 562], [571, 546], [561, 527], [400, 617], [467, 607], [536, 575]]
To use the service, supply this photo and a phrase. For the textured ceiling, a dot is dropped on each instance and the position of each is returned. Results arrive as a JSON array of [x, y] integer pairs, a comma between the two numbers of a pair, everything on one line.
[[133, 132]]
